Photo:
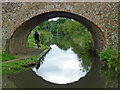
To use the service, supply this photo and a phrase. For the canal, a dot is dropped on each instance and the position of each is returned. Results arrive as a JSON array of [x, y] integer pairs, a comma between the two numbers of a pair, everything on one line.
[[64, 67]]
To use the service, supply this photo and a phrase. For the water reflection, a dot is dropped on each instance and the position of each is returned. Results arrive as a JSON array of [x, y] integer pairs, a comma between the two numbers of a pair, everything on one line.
[[61, 66]]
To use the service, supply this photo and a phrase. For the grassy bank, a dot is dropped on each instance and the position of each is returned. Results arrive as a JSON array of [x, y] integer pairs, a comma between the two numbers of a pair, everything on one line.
[[7, 57], [16, 66], [19, 66]]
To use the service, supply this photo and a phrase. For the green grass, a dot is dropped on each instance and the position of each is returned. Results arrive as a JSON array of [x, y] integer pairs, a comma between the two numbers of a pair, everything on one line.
[[6, 57], [16, 66], [31, 41]]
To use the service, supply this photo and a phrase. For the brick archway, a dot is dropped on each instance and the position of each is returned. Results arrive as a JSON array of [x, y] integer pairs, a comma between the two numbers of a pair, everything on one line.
[[18, 42]]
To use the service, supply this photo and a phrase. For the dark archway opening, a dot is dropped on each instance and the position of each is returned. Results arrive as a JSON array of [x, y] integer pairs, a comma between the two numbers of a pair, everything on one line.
[[18, 43]]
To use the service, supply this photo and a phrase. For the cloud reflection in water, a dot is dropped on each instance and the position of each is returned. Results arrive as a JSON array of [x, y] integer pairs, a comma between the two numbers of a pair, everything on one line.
[[60, 66]]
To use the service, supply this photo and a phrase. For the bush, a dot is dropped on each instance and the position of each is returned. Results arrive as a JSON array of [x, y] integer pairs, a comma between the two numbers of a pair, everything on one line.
[[110, 56]]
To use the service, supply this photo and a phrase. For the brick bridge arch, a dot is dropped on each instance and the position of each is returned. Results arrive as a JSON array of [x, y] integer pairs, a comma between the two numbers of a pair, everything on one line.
[[18, 42], [19, 18]]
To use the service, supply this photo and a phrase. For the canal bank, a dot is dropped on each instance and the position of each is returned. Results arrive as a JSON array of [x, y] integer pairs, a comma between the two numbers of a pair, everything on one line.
[[24, 61], [31, 79]]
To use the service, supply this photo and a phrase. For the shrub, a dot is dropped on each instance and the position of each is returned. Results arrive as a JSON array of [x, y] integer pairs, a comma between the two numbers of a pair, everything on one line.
[[110, 56]]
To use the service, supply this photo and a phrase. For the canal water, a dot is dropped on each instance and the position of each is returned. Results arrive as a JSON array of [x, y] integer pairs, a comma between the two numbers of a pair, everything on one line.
[[60, 66], [64, 66]]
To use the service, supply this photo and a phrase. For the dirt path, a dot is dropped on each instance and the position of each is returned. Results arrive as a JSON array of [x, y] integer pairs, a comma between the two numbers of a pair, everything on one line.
[[31, 52]]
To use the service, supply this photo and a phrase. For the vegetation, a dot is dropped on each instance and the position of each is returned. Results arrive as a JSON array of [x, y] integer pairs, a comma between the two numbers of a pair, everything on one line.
[[31, 41], [17, 66], [45, 37], [50, 26], [75, 35], [110, 56], [69, 33], [6, 57]]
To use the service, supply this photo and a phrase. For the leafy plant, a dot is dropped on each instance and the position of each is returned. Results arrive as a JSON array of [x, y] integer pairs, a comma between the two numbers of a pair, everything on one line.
[[107, 54], [110, 56]]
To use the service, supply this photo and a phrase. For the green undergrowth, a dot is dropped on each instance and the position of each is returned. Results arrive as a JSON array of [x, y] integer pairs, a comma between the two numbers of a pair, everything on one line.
[[17, 66], [45, 37], [110, 56], [7, 57]]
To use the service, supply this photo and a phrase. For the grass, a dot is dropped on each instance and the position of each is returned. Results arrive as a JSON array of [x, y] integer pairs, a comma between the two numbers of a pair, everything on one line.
[[31, 41], [17, 66], [6, 57]]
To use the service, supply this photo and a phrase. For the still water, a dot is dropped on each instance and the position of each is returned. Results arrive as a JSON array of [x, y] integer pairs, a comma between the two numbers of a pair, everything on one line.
[[60, 66], [66, 65]]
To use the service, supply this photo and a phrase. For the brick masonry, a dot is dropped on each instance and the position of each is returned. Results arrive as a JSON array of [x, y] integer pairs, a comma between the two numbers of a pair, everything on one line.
[[15, 14]]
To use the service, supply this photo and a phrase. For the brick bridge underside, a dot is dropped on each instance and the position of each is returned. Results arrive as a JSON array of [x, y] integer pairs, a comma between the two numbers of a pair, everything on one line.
[[19, 19]]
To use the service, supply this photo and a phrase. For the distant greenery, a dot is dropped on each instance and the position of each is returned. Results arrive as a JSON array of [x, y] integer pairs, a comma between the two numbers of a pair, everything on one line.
[[75, 35], [46, 29], [6, 57], [51, 26], [68, 33], [45, 37], [110, 56]]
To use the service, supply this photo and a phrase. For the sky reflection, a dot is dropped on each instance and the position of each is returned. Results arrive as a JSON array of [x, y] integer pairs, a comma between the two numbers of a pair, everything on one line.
[[60, 67]]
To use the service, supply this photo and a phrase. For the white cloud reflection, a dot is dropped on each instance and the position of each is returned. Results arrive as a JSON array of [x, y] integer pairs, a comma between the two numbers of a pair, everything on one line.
[[54, 19], [60, 66]]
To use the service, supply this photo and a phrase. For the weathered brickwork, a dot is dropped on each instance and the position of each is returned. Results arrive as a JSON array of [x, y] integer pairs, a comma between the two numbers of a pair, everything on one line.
[[60, 0], [15, 14]]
